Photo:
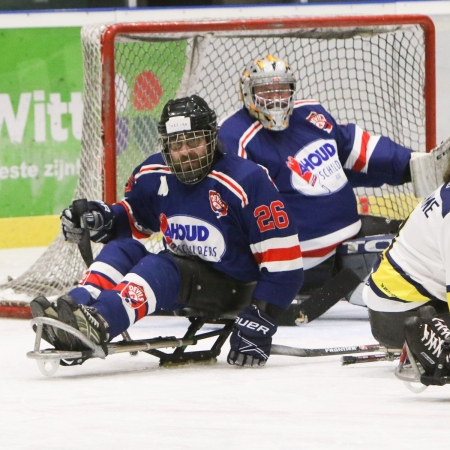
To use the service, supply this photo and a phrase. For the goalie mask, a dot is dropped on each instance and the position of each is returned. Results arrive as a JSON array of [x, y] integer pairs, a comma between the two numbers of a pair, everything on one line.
[[188, 137], [267, 89]]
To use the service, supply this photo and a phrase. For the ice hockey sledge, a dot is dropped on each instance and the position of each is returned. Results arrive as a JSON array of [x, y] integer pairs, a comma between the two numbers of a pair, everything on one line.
[[49, 360], [410, 371]]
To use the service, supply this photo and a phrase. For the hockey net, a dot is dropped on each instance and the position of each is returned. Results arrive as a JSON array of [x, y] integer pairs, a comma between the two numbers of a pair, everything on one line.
[[377, 72]]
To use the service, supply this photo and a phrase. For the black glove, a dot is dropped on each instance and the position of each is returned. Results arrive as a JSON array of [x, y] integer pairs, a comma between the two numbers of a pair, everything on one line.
[[99, 220], [251, 340], [428, 338]]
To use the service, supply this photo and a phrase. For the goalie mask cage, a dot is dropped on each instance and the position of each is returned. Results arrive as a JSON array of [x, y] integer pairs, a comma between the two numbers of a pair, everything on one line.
[[375, 71]]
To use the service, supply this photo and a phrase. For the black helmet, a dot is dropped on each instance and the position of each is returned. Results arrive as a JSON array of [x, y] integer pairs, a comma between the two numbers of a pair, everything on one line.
[[188, 123]]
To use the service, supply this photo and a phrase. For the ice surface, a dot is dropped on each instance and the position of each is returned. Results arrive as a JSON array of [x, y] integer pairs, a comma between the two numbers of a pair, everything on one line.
[[129, 402]]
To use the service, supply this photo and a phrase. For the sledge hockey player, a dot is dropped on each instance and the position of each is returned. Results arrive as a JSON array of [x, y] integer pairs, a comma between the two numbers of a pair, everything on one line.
[[407, 293], [227, 234], [314, 162]]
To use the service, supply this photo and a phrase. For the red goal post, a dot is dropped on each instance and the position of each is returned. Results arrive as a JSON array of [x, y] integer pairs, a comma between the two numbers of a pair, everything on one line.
[[376, 71]]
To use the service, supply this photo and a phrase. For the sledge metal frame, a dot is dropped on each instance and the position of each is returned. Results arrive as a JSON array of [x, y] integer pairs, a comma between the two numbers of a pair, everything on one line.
[[48, 360], [411, 372]]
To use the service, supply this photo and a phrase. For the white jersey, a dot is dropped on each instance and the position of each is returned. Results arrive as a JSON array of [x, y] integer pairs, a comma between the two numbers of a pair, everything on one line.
[[415, 268]]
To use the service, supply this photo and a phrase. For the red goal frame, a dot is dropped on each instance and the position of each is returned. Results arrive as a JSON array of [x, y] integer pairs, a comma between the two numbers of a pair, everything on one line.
[[108, 118]]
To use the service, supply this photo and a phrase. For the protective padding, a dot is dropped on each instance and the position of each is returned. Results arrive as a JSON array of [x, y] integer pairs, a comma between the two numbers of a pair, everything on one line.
[[211, 292]]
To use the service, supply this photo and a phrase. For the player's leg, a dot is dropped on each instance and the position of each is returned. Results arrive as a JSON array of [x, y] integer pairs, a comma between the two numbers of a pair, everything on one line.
[[387, 316], [112, 263], [388, 327], [157, 282], [115, 260], [153, 283]]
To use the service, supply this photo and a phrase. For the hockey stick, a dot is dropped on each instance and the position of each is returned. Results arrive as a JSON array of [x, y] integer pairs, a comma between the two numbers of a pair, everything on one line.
[[79, 207], [285, 350], [324, 298], [389, 355]]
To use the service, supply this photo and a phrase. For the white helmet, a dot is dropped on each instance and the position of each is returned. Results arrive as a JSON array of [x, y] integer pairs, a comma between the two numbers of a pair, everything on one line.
[[268, 88]]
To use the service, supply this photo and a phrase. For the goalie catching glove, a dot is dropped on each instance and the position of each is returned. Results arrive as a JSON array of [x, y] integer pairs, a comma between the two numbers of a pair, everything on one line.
[[251, 339], [99, 220]]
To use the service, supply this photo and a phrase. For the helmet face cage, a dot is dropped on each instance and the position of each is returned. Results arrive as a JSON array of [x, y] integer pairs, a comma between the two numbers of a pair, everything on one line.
[[188, 138], [268, 89], [189, 155]]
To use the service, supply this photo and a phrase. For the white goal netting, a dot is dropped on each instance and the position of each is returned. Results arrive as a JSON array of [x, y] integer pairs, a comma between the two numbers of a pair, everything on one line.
[[371, 71]]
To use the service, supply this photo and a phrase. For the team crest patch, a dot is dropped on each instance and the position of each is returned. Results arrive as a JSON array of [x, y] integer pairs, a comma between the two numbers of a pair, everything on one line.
[[217, 204], [134, 295], [85, 277], [319, 121]]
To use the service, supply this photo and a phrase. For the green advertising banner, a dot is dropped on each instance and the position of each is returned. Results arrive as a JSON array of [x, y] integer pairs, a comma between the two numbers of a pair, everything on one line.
[[41, 78]]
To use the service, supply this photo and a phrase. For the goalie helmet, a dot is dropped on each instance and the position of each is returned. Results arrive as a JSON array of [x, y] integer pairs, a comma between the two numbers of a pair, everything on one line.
[[267, 89], [188, 138]]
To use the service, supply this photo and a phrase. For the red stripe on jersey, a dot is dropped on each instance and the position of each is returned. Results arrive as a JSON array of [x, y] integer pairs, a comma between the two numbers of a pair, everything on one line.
[[362, 158], [98, 280], [119, 287], [152, 168], [134, 231], [130, 183], [279, 254], [298, 103], [247, 136], [233, 186]]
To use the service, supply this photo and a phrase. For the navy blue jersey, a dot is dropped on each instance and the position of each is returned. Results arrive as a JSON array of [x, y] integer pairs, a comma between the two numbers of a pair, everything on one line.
[[234, 220], [316, 163]]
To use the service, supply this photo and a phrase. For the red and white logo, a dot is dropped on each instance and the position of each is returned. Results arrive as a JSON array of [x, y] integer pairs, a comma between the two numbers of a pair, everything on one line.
[[164, 227], [316, 168], [217, 204], [295, 166], [134, 295], [319, 121]]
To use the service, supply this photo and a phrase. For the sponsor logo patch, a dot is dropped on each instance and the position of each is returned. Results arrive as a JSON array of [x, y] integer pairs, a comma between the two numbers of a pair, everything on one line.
[[219, 207], [187, 235], [134, 295], [316, 169], [319, 121]]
